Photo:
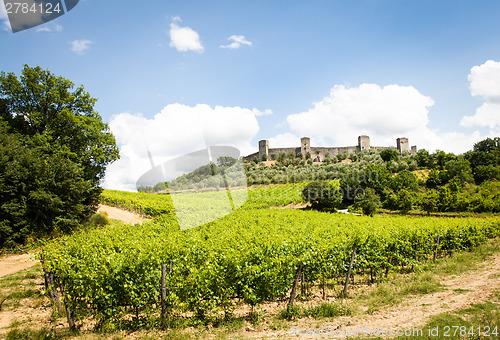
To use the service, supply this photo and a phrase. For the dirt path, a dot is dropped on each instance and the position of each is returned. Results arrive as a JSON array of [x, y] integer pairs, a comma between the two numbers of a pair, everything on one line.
[[10, 264], [475, 286], [120, 214]]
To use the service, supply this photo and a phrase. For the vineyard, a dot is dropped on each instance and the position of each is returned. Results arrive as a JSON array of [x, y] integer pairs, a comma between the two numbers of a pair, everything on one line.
[[161, 204], [248, 257]]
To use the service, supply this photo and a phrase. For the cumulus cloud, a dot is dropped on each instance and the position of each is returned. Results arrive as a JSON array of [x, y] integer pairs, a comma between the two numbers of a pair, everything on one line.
[[367, 109], [49, 28], [485, 82], [237, 42], [176, 130], [266, 112], [184, 39], [80, 46], [7, 26], [284, 140], [383, 113]]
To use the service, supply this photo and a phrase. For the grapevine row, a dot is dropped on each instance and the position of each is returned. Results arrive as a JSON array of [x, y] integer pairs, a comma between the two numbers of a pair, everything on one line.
[[251, 254]]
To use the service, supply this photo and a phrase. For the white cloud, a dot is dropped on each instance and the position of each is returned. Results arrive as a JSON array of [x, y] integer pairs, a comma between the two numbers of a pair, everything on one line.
[[184, 39], [284, 140], [485, 82], [266, 112], [237, 42], [80, 46], [47, 28], [487, 114], [175, 131], [383, 113], [7, 27], [367, 109]]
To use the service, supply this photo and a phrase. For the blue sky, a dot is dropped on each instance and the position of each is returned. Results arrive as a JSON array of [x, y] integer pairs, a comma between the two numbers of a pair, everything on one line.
[[331, 70]]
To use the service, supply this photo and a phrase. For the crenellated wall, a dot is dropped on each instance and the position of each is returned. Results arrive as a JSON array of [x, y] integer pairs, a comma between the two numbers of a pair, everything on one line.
[[319, 153]]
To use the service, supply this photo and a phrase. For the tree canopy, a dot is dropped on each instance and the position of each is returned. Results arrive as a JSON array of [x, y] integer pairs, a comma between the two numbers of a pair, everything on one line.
[[389, 155], [54, 151]]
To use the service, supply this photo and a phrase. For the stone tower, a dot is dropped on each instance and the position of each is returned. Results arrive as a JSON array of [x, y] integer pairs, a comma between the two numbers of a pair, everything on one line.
[[402, 144], [305, 146], [363, 143], [263, 148]]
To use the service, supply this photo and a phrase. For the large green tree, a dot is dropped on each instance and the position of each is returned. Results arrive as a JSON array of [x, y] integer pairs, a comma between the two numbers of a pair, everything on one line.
[[389, 155], [54, 151], [484, 158], [323, 195], [368, 201]]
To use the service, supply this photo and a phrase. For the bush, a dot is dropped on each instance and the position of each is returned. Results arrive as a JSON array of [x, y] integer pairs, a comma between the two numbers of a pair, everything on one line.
[[389, 155], [323, 194], [405, 200], [486, 172], [429, 202], [100, 219], [369, 201]]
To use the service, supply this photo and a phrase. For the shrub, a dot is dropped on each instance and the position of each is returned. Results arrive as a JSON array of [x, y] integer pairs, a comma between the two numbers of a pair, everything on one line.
[[389, 155], [323, 194], [100, 219], [368, 201]]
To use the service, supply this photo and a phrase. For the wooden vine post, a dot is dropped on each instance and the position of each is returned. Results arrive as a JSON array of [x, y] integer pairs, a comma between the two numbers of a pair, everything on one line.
[[389, 263], [164, 290], [69, 316], [45, 273], [437, 247], [49, 284], [344, 293], [303, 291], [294, 286], [323, 287]]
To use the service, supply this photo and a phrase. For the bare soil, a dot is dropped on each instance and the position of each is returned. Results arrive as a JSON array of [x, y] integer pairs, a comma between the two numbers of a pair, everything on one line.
[[472, 287], [10, 264], [125, 216], [33, 313], [460, 291], [293, 206]]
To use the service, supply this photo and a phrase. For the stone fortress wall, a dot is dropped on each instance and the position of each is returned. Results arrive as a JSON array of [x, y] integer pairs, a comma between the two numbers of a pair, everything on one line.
[[319, 153]]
